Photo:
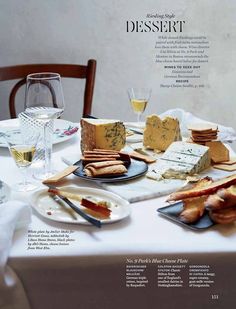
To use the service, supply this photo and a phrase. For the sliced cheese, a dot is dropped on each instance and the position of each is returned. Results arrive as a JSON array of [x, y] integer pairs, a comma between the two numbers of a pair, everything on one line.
[[159, 134], [102, 134], [183, 159]]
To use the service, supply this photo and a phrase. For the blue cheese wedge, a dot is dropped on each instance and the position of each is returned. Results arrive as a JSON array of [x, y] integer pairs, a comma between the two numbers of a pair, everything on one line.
[[102, 134], [160, 133], [184, 159]]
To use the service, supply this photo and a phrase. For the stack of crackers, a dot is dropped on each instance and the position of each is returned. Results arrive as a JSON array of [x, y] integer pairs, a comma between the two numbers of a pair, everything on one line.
[[206, 134], [203, 133], [102, 162], [98, 155]]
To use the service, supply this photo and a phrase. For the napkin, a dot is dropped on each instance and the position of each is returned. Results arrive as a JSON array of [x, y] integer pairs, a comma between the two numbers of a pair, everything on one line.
[[226, 134], [13, 215]]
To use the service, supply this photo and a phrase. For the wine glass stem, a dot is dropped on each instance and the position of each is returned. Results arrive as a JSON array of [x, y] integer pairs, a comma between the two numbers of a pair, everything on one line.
[[138, 118], [24, 173], [47, 148]]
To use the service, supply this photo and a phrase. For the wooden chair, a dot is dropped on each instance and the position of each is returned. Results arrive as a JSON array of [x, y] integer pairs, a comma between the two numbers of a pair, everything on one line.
[[86, 72]]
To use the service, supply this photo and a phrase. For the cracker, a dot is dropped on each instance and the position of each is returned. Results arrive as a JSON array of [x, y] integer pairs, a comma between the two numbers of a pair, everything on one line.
[[218, 151], [204, 135], [230, 162], [60, 175], [202, 127], [210, 131], [202, 139], [224, 167], [104, 164], [106, 171], [138, 156], [92, 152], [113, 156], [90, 160], [105, 150]]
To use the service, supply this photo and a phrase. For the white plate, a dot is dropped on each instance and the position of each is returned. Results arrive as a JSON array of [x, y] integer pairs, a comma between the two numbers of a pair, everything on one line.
[[60, 128], [47, 207], [134, 138], [5, 192]]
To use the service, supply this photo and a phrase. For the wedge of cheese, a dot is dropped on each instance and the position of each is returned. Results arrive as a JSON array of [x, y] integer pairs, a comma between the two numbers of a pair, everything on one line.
[[159, 134], [183, 159], [102, 134]]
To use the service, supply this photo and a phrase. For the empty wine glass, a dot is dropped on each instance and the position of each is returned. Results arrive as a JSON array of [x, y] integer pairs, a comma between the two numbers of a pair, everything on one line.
[[22, 149], [44, 101], [139, 98]]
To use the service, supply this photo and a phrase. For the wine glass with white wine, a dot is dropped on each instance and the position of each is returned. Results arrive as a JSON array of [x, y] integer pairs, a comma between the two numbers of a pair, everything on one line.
[[44, 101], [139, 98], [22, 149]]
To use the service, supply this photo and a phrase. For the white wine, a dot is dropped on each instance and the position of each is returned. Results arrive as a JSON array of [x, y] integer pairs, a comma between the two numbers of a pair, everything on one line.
[[44, 113], [138, 105], [23, 154]]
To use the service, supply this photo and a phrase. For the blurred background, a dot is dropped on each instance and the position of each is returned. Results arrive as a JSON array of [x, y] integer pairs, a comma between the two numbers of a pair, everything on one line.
[[74, 31]]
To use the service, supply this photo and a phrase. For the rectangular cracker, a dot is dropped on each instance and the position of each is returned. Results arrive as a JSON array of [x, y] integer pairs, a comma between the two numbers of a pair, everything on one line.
[[104, 164], [139, 156], [230, 162], [202, 127], [113, 156], [218, 151], [224, 167], [105, 150]]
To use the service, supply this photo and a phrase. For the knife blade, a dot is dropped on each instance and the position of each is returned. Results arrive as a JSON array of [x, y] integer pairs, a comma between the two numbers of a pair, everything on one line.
[[136, 131]]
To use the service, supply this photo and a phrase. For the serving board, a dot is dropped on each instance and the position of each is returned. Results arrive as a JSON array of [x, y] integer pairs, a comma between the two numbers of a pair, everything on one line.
[[142, 188]]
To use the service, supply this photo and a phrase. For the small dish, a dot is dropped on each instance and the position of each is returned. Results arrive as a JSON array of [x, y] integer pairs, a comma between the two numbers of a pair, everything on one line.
[[63, 130], [172, 212], [49, 208]]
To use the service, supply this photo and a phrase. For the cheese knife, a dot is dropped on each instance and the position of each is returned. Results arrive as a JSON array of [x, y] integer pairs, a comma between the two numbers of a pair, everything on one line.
[[136, 131]]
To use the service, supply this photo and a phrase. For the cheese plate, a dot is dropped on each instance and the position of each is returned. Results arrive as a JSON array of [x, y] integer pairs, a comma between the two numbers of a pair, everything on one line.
[[172, 212], [135, 169], [48, 207]]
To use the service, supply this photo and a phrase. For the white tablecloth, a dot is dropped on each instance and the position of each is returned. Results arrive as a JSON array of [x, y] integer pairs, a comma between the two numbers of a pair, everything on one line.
[[90, 272]]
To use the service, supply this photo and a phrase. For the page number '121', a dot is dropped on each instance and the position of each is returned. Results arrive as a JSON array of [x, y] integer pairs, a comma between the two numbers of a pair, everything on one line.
[[214, 296]]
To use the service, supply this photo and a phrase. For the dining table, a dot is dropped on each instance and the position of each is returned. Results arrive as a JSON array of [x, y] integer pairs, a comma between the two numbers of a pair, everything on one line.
[[120, 264]]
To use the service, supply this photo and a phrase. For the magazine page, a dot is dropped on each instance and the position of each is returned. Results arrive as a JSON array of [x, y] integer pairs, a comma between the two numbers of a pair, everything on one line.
[[117, 154]]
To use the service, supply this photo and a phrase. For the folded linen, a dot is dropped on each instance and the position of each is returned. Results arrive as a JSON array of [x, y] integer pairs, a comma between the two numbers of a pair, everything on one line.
[[13, 215]]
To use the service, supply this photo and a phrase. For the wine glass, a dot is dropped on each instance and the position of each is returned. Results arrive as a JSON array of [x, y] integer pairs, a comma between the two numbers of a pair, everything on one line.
[[139, 98], [44, 101], [22, 148]]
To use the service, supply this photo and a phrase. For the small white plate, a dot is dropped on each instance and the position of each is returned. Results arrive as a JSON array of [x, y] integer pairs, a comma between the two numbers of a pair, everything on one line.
[[47, 207], [5, 192], [134, 138], [61, 128]]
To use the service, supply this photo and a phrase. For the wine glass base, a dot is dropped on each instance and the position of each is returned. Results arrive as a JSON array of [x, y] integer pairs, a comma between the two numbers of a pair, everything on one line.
[[24, 187], [43, 175]]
